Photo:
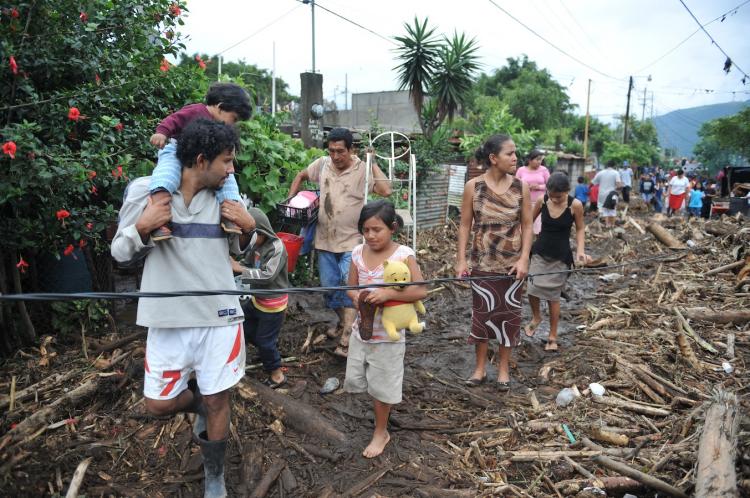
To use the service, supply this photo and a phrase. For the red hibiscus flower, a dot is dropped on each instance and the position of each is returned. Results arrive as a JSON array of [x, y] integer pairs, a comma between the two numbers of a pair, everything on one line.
[[93, 189], [175, 10], [119, 127], [22, 265], [201, 64], [14, 13], [10, 149], [164, 66], [91, 174], [74, 114], [69, 250], [97, 79], [117, 173], [62, 214], [81, 243], [84, 17], [89, 226], [13, 65]]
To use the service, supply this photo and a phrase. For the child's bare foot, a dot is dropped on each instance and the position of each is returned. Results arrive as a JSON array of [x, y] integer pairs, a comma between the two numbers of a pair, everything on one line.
[[377, 445]]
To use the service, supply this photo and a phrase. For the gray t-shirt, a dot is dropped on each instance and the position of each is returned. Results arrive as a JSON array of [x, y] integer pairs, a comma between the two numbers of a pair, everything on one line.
[[607, 180]]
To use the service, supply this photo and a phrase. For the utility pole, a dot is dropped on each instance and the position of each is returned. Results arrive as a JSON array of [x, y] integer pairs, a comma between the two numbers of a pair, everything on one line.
[[346, 91], [586, 129], [652, 106], [643, 112], [273, 82], [221, 58], [312, 10], [627, 113]]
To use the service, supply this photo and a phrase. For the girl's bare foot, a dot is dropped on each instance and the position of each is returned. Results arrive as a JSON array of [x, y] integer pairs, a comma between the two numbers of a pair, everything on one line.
[[377, 445]]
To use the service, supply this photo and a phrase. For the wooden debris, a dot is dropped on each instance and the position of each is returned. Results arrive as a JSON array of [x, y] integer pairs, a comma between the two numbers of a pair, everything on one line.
[[650, 481], [664, 236], [268, 479], [715, 474], [77, 480]]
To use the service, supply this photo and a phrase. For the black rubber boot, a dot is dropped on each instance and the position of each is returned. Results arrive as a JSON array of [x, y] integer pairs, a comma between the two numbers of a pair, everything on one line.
[[197, 407], [213, 466]]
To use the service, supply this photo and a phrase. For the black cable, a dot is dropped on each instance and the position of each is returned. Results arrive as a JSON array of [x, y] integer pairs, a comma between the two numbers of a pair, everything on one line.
[[353, 22], [537, 35], [301, 290], [729, 59], [260, 30]]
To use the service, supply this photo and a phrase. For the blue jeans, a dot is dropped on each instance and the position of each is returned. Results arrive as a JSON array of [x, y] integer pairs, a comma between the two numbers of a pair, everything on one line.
[[694, 211], [168, 173], [334, 271], [262, 331]]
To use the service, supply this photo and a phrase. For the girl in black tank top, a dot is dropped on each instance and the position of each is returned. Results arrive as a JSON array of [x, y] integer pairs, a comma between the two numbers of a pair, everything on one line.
[[551, 254]]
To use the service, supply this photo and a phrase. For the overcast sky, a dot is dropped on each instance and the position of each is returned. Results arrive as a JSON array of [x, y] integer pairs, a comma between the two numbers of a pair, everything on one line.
[[618, 38]]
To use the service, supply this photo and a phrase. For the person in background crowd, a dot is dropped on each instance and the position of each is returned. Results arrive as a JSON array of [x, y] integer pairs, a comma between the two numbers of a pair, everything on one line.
[[647, 188], [608, 180], [658, 199], [582, 191], [695, 204], [679, 186], [626, 178], [535, 176], [593, 198]]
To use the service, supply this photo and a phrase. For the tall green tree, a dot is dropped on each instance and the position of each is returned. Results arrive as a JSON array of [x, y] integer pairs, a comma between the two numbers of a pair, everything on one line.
[[532, 95], [438, 73], [724, 140]]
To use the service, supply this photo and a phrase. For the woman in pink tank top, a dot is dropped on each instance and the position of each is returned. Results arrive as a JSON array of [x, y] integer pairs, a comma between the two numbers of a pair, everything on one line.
[[535, 176]]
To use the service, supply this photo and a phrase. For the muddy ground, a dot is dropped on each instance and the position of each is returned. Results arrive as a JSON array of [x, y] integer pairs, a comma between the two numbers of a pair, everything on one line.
[[447, 440]]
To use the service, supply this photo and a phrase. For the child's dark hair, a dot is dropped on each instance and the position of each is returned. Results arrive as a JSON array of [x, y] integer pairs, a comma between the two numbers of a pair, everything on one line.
[[580, 179], [206, 137], [230, 97], [382, 209], [558, 182], [341, 135], [491, 146]]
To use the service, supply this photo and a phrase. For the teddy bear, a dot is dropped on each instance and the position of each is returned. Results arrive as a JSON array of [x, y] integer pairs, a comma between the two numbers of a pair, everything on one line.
[[398, 315]]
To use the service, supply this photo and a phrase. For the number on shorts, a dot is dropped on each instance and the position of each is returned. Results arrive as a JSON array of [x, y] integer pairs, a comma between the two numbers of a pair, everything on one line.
[[170, 374]]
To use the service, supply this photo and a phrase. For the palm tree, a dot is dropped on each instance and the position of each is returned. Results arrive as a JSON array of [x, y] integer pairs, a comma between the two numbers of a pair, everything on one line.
[[441, 70], [418, 53]]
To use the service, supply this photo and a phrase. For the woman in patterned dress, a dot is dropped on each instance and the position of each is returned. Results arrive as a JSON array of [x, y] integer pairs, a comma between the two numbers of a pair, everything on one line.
[[496, 210]]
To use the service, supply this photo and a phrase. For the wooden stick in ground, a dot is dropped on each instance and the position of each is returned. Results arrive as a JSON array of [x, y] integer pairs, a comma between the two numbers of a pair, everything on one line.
[[582, 470], [730, 266], [365, 483], [664, 236], [687, 352], [715, 474], [77, 480], [42, 385], [650, 481], [268, 479], [295, 414], [632, 406], [111, 346], [636, 225], [730, 345], [689, 330], [12, 402], [707, 315]]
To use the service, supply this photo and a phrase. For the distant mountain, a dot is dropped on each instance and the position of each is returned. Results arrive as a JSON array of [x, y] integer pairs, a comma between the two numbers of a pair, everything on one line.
[[679, 129]]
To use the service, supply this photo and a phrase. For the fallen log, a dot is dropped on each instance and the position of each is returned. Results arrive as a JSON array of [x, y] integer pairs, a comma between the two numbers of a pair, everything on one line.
[[365, 483], [111, 346], [295, 414], [715, 474], [664, 236], [708, 315], [268, 479], [632, 406], [650, 481], [549, 455], [42, 385], [609, 437], [39, 419]]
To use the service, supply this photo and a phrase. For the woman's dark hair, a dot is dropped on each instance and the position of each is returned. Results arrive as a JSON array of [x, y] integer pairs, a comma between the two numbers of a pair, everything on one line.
[[534, 154], [341, 135], [580, 179], [680, 172], [558, 182], [230, 98], [381, 209], [206, 137], [491, 146]]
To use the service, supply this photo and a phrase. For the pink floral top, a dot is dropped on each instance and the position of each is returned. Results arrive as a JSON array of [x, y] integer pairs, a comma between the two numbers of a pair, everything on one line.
[[534, 178]]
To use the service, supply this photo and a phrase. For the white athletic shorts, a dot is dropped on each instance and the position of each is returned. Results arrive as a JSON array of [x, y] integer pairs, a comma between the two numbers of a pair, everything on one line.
[[215, 354]]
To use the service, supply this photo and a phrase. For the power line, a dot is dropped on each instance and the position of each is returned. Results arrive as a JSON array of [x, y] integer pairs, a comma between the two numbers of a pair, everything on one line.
[[729, 62], [354, 23], [552, 44], [722, 16], [261, 29]]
